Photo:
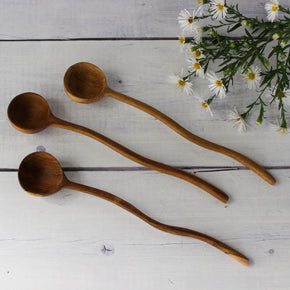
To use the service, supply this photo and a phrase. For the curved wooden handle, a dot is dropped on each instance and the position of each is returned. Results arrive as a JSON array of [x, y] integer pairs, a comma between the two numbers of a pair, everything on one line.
[[214, 191], [160, 226], [259, 170]]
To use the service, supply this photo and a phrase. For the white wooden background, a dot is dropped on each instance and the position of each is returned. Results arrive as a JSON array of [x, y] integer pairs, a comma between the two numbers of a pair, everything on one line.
[[73, 241]]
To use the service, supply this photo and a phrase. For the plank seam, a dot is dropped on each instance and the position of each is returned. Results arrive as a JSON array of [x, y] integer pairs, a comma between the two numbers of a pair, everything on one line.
[[97, 39], [196, 169]]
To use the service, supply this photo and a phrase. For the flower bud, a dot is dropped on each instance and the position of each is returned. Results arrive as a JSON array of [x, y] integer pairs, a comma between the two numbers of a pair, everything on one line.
[[244, 22], [232, 45], [265, 62], [275, 36], [283, 55], [283, 43]]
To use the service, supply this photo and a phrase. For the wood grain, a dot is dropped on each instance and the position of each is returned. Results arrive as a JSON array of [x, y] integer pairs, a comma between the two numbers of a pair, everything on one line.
[[30, 113], [181, 231], [63, 241], [86, 83], [40, 67], [258, 169], [40, 174], [59, 244], [163, 168], [64, 19]]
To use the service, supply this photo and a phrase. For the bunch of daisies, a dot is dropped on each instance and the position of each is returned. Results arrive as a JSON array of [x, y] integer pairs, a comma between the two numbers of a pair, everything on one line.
[[265, 73]]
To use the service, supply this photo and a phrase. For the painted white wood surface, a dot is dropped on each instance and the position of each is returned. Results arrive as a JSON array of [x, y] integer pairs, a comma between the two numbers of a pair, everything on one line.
[[143, 69], [34, 19], [60, 242]]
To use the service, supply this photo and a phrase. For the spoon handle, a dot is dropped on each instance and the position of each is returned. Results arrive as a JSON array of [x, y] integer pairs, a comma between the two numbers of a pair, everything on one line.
[[259, 170], [214, 191], [160, 226]]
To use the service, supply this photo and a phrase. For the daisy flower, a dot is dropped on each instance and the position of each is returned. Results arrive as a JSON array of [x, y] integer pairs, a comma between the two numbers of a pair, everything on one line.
[[238, 121], [205, 105], [195, 66], [197, 54], [253, 77], [183, 45], [272, 9], [218, 9], [282, 130], [216, 85], [181, 84], [181, 39], [186, 21]]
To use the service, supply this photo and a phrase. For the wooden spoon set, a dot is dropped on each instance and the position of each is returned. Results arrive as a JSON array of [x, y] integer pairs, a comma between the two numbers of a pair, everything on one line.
[[40, 173]]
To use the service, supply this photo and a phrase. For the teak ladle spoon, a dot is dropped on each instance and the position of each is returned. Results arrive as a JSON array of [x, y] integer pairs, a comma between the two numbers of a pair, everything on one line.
[[41, 174], [86, 83], [30, 113]]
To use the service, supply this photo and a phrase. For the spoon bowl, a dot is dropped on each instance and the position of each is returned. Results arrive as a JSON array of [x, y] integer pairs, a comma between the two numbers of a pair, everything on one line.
[[40, 174], [29, 113], [85, 82]]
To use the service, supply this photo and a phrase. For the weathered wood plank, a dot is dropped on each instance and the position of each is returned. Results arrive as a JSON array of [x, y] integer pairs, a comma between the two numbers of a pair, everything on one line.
[[59, 19], [139, 69], [75, 241]]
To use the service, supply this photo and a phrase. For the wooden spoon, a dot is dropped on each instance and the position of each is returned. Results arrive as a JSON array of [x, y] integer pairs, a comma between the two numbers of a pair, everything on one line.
[[86, 83], [30, 113], [40, 174]]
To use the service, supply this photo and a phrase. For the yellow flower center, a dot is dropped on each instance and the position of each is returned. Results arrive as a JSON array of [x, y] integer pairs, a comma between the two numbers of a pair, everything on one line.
[[251, 76], [282, 131], [218, 83], [196, 66], [220, 6], [190, 20], [181, 39], [274, 8], [238, 119], [181, 83], [197, 53], [198, 2], [281, 95], [204, 104]]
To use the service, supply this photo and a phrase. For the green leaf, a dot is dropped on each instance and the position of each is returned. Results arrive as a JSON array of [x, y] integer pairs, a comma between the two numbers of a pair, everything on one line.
[[234, 27]]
